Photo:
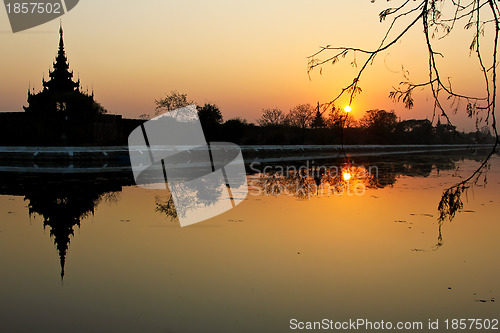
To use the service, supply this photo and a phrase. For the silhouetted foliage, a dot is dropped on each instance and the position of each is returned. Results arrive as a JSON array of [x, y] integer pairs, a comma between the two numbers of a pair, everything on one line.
[[376, 127], [166, 207], [210, 115], [301, 116], [170, 102], [211, 120], [236, 129], [380, 125], [414, 131], [445, 133], [272, 117], [327, 125], [338, 118]]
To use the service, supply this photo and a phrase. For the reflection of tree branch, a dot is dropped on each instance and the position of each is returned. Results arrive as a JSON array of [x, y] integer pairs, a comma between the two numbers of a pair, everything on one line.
[[166, 207], [451, 200], [188, 198]]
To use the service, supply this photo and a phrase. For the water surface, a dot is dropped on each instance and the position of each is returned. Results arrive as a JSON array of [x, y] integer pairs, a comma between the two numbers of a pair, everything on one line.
[[94, 253]]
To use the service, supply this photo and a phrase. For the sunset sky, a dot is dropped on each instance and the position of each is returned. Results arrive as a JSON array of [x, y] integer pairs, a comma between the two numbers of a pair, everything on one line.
[[242, 56]]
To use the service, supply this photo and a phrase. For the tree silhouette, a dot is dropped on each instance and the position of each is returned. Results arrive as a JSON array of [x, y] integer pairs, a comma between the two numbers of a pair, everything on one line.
[[211, 120], [414, 131], [301, 116], [210, 115], [272, 117], [380, 124], [170, 102], [337, 118]]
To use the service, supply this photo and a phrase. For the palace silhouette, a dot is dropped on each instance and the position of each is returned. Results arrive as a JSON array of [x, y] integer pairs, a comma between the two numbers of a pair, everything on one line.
[[62, 115]]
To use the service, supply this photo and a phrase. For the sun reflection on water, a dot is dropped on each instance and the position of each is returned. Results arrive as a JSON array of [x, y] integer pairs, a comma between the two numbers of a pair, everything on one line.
[[306, 182]]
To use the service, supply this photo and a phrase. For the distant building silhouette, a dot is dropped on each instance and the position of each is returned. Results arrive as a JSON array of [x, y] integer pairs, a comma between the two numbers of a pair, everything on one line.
[[62, 115], [318, 121]]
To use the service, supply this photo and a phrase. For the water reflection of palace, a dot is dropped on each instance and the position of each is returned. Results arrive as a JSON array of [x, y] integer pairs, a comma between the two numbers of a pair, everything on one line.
[[63, 200]]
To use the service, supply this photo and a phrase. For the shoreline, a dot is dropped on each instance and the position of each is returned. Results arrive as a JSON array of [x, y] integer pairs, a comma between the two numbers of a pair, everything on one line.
[[116, 158]]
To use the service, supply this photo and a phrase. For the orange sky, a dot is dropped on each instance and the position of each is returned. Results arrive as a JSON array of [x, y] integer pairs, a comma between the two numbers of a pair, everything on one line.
[[243, 56]]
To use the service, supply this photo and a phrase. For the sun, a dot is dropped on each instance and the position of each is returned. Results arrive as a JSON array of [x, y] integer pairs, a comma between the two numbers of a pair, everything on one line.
[[347, 108], [346, 176]]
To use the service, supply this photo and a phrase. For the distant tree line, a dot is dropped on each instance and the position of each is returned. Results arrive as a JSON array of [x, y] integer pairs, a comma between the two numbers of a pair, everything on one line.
[[304, 124]]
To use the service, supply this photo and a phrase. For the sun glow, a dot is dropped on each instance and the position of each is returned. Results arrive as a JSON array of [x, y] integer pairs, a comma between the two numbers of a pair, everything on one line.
[[347, 108], [346, 175]]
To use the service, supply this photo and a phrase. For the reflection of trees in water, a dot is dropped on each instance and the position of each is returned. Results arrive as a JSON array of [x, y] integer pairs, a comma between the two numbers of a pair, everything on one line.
[[205, 193], [303, 180], [306, 182], [191, 188], [310, 181], [62, 200], [166, 206]]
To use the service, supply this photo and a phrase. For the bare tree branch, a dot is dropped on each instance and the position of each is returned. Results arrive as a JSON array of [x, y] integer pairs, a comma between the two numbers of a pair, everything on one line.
[[434, 23]]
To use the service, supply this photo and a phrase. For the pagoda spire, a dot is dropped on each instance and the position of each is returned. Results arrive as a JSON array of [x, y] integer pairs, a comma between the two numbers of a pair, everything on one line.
[[61, 42], [61, 92], [62, 261], [60, 76], [318, 119]]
